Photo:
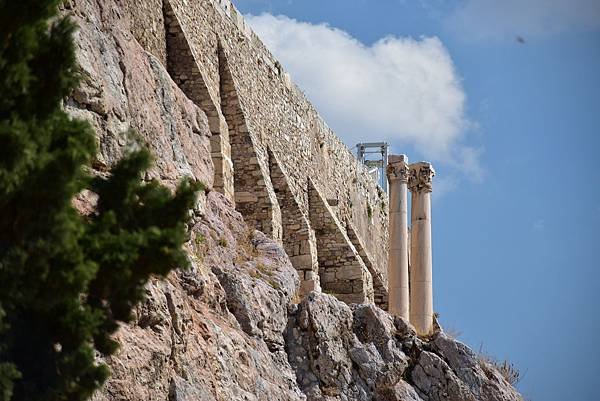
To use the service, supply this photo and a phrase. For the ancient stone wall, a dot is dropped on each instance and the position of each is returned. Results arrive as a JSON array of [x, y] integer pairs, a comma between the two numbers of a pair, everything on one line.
[[254, 194], [147, 23], [341, 268], [299, 239], [268, 140], [187, 74]]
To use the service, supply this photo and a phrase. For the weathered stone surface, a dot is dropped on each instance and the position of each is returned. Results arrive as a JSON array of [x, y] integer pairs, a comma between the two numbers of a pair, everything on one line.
[[341, 354], [186, 343], [434, 379], [342, 270], [363, 353], [123, 87], [182, 390], [401, 391], [260, 306], [374, 326], [484, 381]]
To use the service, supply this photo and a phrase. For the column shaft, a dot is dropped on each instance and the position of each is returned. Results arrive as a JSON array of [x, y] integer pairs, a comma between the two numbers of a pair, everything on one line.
[[398, 285], [421, 291]]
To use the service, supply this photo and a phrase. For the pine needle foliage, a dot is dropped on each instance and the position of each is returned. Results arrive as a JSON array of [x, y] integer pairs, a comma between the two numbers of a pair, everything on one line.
[[67, 280]]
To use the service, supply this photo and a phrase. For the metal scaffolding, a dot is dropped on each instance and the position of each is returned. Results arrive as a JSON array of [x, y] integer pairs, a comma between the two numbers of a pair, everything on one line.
[[377, 164]]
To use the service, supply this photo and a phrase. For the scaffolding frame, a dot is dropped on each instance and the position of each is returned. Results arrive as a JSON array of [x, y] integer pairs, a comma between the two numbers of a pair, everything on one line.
[[376, 166]]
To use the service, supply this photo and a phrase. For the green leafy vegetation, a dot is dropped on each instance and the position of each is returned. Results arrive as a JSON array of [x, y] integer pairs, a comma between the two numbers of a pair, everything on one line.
[[264, 269], [67, 280]]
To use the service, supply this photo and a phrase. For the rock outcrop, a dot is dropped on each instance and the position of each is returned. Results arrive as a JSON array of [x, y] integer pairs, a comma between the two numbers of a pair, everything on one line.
[[214, 332], [360, 352], [233, 327]]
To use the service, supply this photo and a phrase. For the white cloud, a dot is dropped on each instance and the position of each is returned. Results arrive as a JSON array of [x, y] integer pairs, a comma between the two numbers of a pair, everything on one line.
[[468, 159], [402, 90], [506, 19]]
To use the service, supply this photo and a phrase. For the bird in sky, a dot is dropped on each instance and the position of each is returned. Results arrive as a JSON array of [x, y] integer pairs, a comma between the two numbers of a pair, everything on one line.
[[520, 39]]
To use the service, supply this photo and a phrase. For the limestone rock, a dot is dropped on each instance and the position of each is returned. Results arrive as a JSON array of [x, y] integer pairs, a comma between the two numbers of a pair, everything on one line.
[[362, 353], [259, 290], [483, 380], [181, 390], [341, 354], [186, 344], [401, 391], [124, 87], [434, 379]]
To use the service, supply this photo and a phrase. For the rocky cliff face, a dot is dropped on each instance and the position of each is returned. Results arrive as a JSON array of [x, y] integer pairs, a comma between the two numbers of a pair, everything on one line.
[[232, 328]]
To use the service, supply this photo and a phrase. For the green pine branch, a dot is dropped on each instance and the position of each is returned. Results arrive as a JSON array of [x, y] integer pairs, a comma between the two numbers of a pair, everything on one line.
[[67, 280]]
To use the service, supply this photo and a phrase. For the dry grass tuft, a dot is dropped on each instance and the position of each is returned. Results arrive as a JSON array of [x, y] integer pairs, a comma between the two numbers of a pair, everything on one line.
[[507, 369], [452, 332]]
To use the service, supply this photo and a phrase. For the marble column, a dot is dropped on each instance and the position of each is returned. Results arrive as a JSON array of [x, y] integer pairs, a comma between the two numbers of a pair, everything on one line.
[[421, 291], [398, 292]]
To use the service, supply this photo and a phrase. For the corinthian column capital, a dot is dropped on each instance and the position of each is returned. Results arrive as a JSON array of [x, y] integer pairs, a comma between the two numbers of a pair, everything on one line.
[[398, 168], [420, 176]]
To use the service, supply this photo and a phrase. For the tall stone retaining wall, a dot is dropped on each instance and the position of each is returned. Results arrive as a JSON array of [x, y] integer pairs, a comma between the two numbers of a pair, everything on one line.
[[269, 143]]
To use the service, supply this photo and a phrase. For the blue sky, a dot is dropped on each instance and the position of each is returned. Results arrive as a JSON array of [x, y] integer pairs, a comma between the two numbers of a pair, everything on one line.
[[513, 130]]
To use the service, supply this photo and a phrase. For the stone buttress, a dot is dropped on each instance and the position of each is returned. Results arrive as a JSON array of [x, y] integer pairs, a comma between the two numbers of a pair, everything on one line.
[[187, 74], [254, 194], [299, 239], [342, 270]]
